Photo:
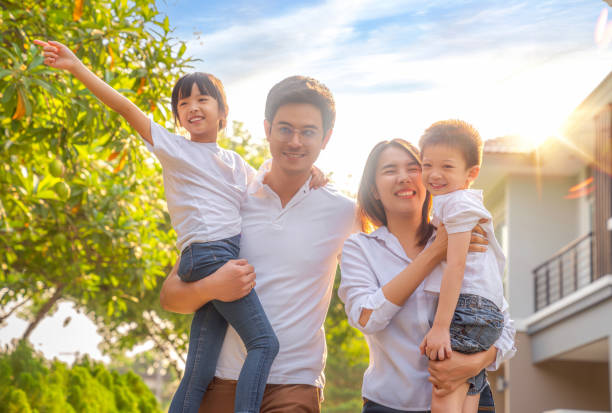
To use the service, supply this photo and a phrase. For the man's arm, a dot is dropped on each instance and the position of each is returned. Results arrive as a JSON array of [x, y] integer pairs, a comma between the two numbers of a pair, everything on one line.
[[232, 281], [60, 57]]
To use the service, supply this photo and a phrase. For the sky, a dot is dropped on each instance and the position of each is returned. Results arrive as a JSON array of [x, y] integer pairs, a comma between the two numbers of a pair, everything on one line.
[[394, 67]]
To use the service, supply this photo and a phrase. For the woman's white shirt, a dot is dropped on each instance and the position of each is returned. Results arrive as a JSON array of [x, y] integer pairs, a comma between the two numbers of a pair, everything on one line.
[[397, 373]]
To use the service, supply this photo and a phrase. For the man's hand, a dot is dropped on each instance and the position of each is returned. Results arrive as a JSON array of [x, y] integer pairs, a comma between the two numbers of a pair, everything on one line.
[[234, 280], [436, 344], [57, 55]]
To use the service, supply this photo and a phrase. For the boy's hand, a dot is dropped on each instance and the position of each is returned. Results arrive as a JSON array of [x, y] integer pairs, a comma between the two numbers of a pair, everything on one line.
[[436, 344], [57, 55], [318, 178]]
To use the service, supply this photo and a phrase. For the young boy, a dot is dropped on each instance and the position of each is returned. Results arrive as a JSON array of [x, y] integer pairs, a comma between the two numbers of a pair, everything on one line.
[[468, 318]]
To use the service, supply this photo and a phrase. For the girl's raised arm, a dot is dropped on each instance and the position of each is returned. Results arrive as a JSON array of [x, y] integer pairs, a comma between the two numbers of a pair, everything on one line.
[[59, 56]]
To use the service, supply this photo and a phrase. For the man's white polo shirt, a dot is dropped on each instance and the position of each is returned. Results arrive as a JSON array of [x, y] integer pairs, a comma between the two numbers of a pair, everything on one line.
[[294, 251]]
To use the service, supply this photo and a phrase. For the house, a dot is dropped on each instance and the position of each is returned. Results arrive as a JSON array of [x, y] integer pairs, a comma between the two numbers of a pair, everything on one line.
[[552, 210]]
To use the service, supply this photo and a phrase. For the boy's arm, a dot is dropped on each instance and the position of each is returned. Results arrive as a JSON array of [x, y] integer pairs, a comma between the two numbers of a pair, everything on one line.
[[60, 57], [436, 344]]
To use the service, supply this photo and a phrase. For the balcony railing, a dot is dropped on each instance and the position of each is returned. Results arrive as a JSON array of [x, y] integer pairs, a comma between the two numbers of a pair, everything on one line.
[[567, 271]]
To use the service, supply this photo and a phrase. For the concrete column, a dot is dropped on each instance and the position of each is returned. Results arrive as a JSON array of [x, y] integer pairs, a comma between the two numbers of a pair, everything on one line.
[[610, 371]]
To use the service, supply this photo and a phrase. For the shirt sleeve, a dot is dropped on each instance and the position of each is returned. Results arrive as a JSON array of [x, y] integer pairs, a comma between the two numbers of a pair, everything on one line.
[[359, 289], [505, 343], [165, 146], [462, 212]]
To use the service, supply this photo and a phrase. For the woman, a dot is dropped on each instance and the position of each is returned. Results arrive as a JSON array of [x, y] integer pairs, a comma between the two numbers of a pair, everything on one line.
[[381, 286]]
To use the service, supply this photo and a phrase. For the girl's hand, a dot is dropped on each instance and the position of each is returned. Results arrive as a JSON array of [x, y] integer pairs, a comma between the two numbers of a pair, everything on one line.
[[57, 55], [436, 344], [318, 178]]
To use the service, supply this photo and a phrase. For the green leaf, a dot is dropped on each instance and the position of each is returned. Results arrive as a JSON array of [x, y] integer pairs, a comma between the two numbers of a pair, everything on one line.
[[182, 50], [37, 61], [166, 25]]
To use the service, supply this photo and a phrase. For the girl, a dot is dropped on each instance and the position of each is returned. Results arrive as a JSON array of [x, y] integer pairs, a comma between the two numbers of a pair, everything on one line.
[[204, 187]]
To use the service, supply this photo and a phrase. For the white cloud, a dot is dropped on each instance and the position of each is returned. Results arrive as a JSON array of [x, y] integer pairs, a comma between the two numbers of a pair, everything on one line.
[[510, 67]]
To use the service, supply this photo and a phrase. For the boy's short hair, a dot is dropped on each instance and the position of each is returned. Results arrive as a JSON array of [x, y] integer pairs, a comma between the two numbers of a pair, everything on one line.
[[208, 85], [456, 134], [302, 89]]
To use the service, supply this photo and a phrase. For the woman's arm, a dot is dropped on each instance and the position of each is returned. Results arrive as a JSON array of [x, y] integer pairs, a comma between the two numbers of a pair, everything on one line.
[[60, 57], [401, 287], [232, 281], [368, 306], [363, 296]]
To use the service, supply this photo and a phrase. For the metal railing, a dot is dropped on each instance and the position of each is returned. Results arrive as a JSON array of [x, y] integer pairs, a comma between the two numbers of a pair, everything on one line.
[[567, 271]]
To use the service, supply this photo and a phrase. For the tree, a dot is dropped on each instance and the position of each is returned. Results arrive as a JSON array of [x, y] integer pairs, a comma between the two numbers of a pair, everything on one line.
[[81, 204], [347, 359]]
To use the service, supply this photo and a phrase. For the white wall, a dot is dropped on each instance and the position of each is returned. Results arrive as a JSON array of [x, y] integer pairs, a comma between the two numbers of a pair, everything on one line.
[[539, 224]]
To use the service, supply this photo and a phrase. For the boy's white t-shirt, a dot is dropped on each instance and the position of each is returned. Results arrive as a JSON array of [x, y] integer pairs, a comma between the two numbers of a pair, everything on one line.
[[205, 186], [460, 211]]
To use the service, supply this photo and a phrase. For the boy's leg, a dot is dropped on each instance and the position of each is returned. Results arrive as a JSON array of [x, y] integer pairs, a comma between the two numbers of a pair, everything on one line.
[[451, 403], [205, 340], [248, 318], [470, 405]]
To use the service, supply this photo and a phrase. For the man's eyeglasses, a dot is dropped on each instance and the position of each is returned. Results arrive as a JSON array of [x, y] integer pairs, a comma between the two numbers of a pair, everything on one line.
[[285, 133]]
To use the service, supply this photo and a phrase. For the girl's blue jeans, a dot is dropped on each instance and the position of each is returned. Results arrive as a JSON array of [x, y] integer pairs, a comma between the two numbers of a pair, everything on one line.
[[208, 329]]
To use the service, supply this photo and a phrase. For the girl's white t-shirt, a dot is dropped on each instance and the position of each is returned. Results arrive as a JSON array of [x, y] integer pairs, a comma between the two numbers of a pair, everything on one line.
[[205, 186], [460, 211]]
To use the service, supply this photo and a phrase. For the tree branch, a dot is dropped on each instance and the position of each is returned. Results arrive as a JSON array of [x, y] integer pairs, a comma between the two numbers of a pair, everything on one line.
[[7, 315], [43, 311]]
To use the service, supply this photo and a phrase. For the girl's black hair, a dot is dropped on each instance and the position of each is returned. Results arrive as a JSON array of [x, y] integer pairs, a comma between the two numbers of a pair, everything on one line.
[[208, 85]]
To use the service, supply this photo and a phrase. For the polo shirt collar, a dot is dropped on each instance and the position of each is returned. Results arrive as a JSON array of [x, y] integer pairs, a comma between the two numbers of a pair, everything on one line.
[[259, 188], [390, 241]]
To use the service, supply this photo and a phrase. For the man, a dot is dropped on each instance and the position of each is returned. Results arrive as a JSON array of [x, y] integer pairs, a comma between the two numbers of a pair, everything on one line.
[[292, 236]]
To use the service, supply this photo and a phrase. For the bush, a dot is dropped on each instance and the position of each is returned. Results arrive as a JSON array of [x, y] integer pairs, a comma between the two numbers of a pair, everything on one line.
[[29, 383]]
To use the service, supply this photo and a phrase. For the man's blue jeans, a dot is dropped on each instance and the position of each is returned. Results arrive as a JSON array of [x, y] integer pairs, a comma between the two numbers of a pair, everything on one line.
[[208, 329]]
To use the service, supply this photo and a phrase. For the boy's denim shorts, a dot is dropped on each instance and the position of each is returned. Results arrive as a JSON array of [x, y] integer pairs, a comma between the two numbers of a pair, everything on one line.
[[476, 326], [201, 259]]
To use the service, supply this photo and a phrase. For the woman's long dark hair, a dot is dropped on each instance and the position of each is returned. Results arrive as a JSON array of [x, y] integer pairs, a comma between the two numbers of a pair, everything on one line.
[[371, 210]]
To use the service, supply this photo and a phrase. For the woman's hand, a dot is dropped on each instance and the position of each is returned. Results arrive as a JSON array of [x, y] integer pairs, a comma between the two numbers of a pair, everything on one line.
[[448, 375], [479, 241], [440, 243], [57, 55]]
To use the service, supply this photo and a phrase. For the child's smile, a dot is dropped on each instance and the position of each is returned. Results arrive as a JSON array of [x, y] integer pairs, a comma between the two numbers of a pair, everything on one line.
[[199, 114], [445, 170]]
